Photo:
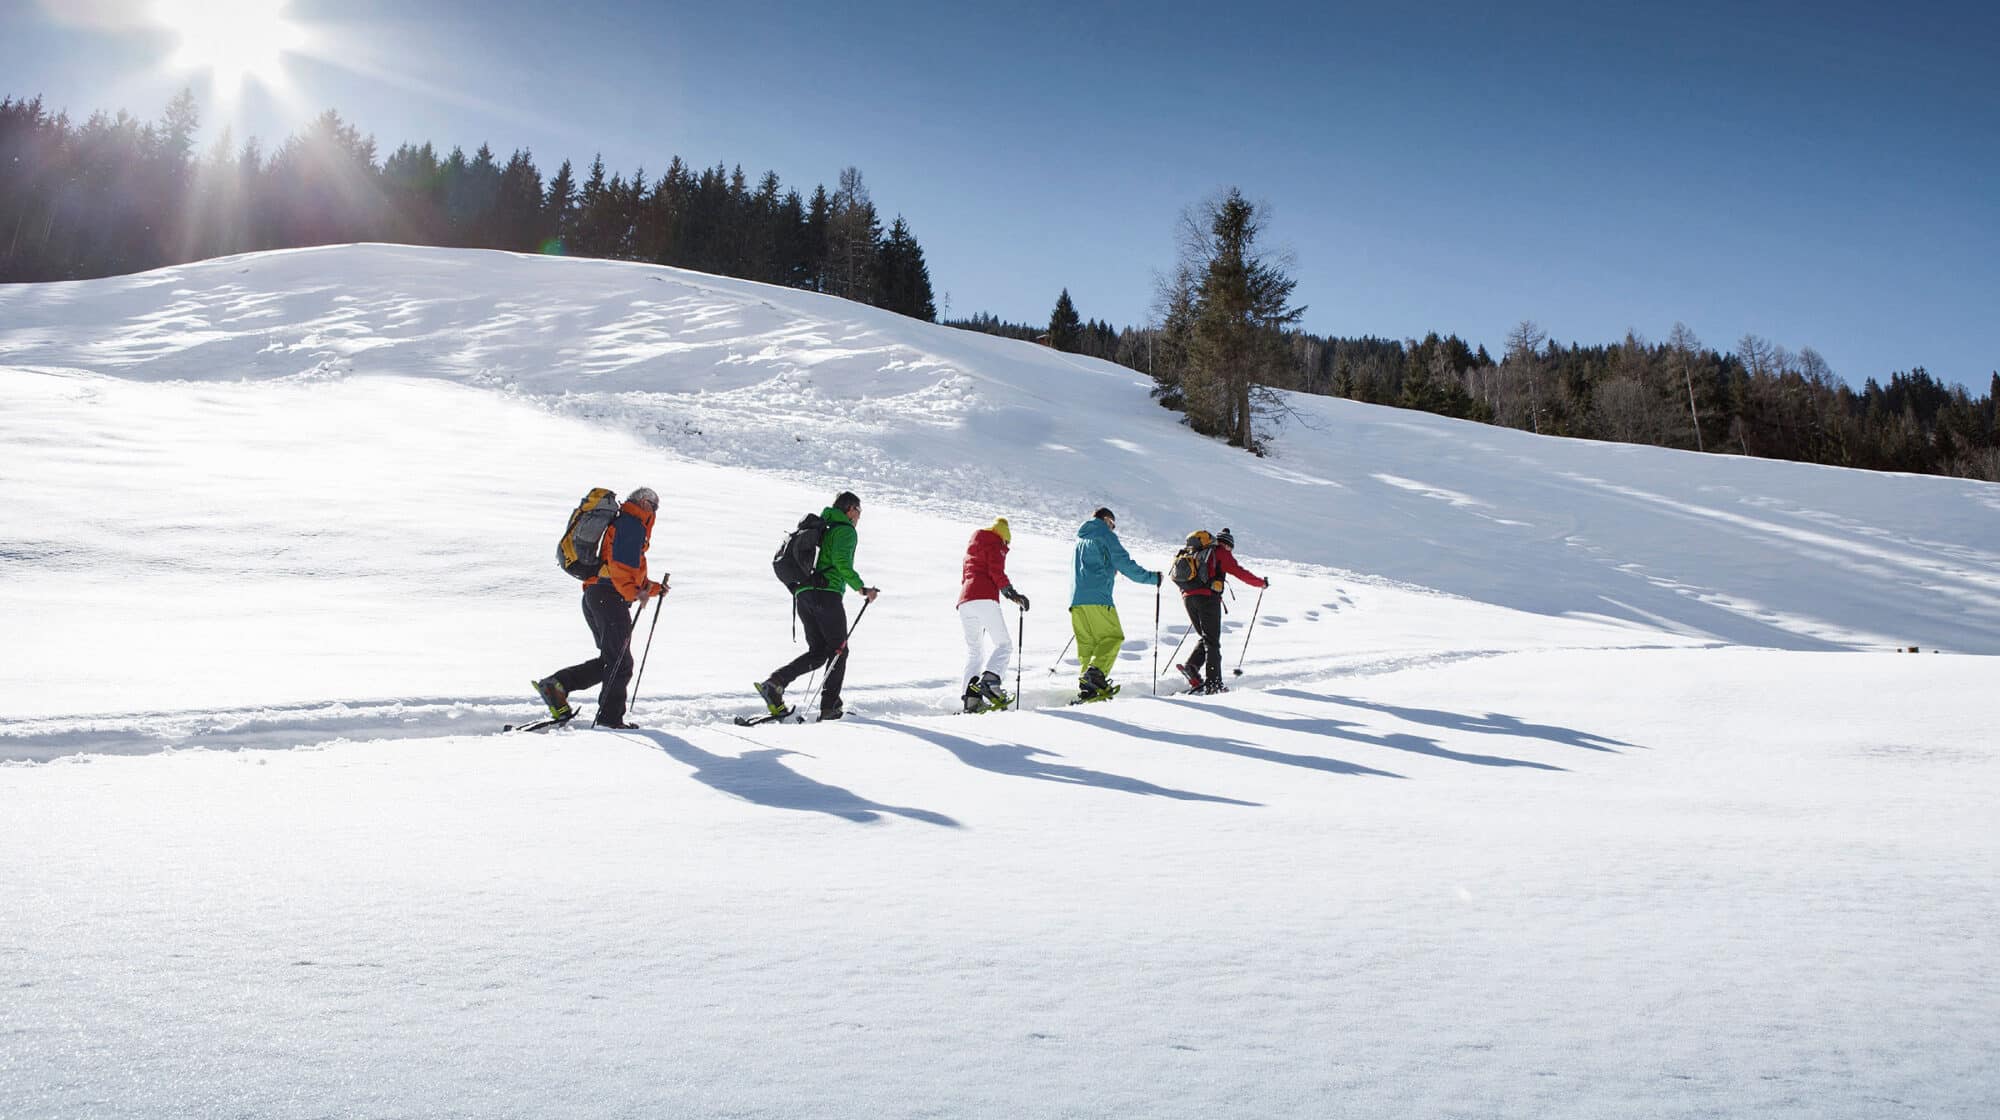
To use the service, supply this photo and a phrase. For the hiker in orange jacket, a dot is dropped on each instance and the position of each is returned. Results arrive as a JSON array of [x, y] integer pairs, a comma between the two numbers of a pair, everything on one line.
[[607, 600]]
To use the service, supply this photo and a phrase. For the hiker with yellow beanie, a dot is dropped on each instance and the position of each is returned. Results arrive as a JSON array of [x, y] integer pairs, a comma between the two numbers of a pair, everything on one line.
[[984, 582]]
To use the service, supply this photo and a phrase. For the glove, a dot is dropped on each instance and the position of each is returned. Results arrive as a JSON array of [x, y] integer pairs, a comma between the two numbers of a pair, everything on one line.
[[871, 592], [1158, 579], [654, 589], [1267, 581], [1019, 599]]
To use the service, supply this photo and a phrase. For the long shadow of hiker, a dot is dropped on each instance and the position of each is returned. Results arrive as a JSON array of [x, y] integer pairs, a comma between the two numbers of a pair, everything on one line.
[[1236, 747], [1340, 729], [1492, 723], [1028, 762], [759, 777]]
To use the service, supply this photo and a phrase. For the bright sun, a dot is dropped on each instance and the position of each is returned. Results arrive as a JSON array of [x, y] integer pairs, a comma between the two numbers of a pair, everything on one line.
[[233, 40]]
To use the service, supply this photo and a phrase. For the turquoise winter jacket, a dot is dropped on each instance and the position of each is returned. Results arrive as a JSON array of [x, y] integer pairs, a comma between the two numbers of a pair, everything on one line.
[[1099, 558]]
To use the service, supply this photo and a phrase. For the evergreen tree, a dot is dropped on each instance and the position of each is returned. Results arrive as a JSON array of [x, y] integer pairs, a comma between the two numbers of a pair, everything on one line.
[[816, 243], [559, 209], [591, 217], [517, 205], [1065, 328], [903, 280], [1243, 305]]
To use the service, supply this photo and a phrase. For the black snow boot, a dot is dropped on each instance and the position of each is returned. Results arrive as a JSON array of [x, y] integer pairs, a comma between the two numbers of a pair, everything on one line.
[[555, 696], [988, 687], [1093, 684]]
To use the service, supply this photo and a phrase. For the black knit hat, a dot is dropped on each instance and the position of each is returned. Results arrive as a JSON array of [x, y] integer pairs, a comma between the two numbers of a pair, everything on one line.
[[1226, 539], [1105, 514]]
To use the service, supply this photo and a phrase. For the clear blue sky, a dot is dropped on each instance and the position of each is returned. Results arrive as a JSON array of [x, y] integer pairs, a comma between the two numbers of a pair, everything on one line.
[[1823, 174]]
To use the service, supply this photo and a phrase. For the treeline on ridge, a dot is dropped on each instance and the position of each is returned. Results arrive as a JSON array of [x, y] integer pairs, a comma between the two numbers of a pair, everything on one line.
[[117, 195], [1228, 336]]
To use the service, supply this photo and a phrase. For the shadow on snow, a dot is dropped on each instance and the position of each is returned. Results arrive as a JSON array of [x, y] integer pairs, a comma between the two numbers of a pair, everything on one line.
[[759, 777], [1492, 723], [1396, 741], [1238, 747], [1016, 761]]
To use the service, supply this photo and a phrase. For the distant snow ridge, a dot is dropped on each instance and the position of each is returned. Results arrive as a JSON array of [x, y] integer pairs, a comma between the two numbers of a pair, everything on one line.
[[831, 394]]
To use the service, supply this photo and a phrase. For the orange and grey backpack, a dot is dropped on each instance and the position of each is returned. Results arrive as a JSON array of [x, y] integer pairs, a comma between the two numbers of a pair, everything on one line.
[[1194, 564], [580, 552]]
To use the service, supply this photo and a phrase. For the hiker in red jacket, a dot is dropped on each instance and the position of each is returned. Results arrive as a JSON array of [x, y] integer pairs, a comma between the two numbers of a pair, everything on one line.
[[1203, 600], [984, 583]]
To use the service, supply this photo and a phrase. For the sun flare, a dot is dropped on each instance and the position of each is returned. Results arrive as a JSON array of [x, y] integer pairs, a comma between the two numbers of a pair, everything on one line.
[[234, 40]]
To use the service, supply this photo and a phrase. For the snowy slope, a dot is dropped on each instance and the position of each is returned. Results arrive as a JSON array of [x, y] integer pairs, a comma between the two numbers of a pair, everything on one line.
[[1506, 819]]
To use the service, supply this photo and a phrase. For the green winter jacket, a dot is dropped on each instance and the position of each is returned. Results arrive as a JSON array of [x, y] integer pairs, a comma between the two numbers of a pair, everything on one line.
[[835, 570]]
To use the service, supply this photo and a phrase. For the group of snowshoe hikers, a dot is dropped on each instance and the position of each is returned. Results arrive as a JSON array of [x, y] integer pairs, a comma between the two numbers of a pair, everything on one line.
[[607, 540]]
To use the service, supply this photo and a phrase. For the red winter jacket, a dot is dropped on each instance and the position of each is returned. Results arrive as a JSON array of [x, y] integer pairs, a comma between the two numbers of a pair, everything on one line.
[[1225, 565], [985, 571]]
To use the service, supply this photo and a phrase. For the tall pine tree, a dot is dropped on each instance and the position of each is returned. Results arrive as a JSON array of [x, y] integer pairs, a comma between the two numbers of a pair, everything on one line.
[[1065, 327]]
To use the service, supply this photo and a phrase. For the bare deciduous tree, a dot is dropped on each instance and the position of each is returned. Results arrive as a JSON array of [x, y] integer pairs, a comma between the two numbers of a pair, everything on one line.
[[1684, 346]]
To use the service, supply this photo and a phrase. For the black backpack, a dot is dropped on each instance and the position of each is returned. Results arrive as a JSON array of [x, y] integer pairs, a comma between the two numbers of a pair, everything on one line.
[[797, 560], [1194, 564]]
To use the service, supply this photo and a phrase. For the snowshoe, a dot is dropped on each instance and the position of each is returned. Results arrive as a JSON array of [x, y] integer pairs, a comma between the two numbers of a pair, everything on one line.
[[831, 713], [541, 724], [1212, 688], [1096, 697], [1192, 675], [1094, 686], [759, 721], [614, 725]]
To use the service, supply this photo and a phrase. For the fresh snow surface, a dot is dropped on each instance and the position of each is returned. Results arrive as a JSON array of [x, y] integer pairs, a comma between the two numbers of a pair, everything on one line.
[[1564, 778]]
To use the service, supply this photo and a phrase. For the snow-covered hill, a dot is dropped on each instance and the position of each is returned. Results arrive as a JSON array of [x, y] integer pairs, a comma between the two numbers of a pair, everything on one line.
[[1546, 791]]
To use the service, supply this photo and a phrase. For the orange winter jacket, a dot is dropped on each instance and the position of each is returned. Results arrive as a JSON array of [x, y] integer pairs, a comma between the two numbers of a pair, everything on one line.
[[624, 552]]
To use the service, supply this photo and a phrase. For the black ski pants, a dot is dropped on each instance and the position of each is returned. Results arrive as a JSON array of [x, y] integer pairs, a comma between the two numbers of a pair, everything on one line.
[[610, 618], [824, 619], [1205, 612]]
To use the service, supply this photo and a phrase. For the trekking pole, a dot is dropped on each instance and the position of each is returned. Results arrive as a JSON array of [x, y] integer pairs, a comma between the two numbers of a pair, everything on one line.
[[839, 651], [632, 701], [1156, 639], [1063, 654], [1020, 648], [1175, 659], [1248, 634]]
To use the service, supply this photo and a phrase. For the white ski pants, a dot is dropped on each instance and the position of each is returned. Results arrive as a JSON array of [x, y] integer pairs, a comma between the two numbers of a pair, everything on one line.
[[983, 620]]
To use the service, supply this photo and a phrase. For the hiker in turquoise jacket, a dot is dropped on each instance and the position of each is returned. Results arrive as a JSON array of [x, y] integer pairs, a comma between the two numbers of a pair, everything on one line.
[[1093, 614]]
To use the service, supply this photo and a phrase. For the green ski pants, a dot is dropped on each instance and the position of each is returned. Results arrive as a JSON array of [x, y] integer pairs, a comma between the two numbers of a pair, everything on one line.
[[1098, 637]]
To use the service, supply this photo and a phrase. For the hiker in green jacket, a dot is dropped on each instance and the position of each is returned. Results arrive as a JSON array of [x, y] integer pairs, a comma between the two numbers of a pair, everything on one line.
[[822, 613], [1093, 614]]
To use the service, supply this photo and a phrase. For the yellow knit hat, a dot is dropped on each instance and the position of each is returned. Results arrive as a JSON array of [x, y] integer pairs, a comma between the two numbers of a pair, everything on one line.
[[1000, 526]]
